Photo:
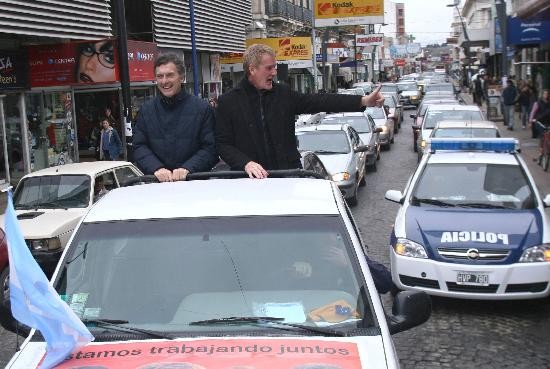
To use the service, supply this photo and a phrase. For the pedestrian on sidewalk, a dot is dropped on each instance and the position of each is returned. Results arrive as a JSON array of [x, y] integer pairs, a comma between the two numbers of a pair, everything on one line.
[[524, 100], [509, 99], [541, 113]]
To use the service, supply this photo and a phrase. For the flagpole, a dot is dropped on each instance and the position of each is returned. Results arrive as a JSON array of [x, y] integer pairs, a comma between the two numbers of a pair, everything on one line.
[[314, 51]]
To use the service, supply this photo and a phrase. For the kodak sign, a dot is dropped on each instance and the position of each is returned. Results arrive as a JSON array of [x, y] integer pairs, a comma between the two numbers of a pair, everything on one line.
[[286, 48], [348, 12]]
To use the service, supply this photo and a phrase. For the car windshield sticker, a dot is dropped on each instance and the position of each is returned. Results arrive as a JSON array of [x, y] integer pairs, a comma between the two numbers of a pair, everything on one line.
[[91, 313], [467, 236], [218, 354], [292, 312], [77, 303]]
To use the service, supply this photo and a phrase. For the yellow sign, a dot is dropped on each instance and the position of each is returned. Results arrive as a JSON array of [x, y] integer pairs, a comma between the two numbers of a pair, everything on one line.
[[231, 58], [286, 48], [348, 12]]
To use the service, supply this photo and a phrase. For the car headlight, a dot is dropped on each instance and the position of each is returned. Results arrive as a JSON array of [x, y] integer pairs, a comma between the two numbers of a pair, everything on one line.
[[414, 97], [409, 248], [45, 244], [384, 129], [536, 254], [344, 176], [423, 143]]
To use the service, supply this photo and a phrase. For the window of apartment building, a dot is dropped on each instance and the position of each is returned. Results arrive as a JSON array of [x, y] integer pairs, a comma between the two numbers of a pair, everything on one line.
[[400, 12]]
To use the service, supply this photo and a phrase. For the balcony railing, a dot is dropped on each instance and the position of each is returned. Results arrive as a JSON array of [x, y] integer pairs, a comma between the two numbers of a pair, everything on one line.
[[286, 9]]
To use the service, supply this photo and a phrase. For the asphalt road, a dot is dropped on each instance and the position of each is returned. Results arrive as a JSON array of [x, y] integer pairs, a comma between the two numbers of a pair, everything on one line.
[[460, 333]]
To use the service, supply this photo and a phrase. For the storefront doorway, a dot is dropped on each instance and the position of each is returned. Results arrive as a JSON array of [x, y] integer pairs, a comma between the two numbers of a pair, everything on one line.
[[12, 169], [91, 108]]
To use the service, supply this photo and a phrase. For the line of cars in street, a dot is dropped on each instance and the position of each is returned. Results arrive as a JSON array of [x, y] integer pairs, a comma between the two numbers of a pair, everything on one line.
[[471, 223]]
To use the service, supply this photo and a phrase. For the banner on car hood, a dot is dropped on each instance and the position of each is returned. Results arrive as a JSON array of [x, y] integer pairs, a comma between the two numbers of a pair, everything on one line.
[[217, 354]]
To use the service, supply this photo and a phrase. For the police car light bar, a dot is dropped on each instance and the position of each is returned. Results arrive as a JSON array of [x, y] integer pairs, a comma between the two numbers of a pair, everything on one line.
[[509, 145]]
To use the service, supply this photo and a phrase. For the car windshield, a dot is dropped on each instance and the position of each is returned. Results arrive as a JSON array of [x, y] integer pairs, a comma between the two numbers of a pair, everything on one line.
[[475, 184], [408, 87], [375, 113], [171, 275], [389, 88], [465, 132], [425, 105], [389, 101], [360, 124], [442, 87], [433, 116], [62, 191], [328, 142]]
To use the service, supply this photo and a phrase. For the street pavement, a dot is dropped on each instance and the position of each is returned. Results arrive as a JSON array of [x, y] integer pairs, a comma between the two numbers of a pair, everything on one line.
[[460, 333]]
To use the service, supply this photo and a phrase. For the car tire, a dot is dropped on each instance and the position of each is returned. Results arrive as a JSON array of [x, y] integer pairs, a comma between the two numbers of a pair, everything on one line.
[[392, 139], [352, 201], [5, 307], [415, 148], [363, 181], [373, 167], [378, 154]]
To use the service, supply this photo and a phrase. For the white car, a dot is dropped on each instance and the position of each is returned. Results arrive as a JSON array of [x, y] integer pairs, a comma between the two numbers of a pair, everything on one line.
[[225, 273], [472, 224]]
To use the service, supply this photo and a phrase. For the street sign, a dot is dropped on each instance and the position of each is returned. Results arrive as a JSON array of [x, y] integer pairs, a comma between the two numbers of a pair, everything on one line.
[[369, 40], [330, 13]]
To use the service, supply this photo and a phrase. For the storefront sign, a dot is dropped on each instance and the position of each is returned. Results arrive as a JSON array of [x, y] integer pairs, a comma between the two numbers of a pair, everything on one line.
[[231, 58], [297, 64], [399, 62], [287, 48], [369, 40], [13, 67], [348, 12], [527, 31], [217, 354], [141, 60], [52, 65]]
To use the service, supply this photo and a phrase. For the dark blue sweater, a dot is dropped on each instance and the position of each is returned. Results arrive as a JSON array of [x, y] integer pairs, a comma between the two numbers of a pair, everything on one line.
[[175, 135]]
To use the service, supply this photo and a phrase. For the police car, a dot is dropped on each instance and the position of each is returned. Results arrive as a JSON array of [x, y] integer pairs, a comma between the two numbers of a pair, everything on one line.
[[225, 273], [471, 224]]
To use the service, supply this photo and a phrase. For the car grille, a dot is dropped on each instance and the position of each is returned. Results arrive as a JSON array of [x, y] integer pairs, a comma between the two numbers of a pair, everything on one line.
[[452, 286], [418, 282], [483, 254]]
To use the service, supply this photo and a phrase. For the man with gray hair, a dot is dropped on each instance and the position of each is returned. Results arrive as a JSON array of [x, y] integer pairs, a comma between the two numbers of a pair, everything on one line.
[[174, 133], [255, 120]]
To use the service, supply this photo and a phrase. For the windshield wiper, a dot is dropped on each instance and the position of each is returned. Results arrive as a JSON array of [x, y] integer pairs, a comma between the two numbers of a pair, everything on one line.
[[432, 202], [482, 205], [272, 322], [51, 204], [114, 324], [25, 207], [329, 152]]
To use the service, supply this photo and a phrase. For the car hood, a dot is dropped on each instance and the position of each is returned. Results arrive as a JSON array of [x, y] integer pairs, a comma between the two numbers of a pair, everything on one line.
[[335, 163], [409, 93], [490, 229], [46, 223], [257, 352]]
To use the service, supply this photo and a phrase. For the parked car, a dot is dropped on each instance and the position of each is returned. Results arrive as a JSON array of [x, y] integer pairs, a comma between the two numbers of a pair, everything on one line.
[[421, 111], [396, 109], [342, 152], [226, 273], [50, 202], [384, 121], [366, 86], [390, 87], [410, 94], [442, 87], [365, 126], [437, 113]]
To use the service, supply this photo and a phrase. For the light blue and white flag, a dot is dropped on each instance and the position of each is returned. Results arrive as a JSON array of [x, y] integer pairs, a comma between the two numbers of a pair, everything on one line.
[[34, 301]]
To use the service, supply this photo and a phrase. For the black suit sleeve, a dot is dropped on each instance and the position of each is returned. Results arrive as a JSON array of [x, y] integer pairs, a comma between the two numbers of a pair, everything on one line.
[[225, 135]]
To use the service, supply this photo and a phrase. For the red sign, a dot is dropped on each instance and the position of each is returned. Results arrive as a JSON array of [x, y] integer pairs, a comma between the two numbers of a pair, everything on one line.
[[217, 354], [141, 60], [89, 62], [400, 62]]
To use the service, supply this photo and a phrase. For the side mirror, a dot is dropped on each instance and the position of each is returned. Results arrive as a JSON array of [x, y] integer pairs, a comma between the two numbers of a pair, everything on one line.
[[413, 116], [378, 130], [410, 309], [546, 201], [395, 196], [361, 148]]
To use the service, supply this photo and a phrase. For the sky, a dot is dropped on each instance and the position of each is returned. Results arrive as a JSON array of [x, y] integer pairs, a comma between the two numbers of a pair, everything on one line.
[[428, 20]]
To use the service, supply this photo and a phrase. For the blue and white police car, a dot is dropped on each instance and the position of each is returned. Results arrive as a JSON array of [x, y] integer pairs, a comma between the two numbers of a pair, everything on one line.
[[472, 224]]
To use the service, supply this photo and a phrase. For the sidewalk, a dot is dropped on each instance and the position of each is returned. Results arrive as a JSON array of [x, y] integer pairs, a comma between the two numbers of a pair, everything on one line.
[[529, 149]]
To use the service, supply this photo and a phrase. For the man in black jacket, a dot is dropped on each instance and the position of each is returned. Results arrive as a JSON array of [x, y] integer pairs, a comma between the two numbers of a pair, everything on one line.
[[174, 134], [255, 120]]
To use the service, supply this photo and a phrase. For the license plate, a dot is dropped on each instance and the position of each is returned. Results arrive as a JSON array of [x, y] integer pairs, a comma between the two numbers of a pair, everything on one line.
[[472, 279]]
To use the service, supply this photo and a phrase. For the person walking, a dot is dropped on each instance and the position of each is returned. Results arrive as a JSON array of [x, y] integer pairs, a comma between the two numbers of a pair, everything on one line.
[[110, 143], [174, 133], [509, 98], [541, 113], [524, 100], [255, 120]]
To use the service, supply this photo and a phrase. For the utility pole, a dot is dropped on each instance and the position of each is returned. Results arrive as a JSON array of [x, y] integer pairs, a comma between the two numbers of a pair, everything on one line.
[[501, 14], [125, 123]]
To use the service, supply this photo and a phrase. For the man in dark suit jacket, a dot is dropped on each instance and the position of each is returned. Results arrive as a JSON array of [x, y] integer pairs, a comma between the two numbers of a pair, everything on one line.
[[255, 120]]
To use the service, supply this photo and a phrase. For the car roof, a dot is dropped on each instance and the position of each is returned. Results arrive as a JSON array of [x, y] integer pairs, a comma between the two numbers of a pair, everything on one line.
[[467, 124], [217, 198], [454, 107], [348, 114], [323, 127], [87, 168], [467, 157]]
